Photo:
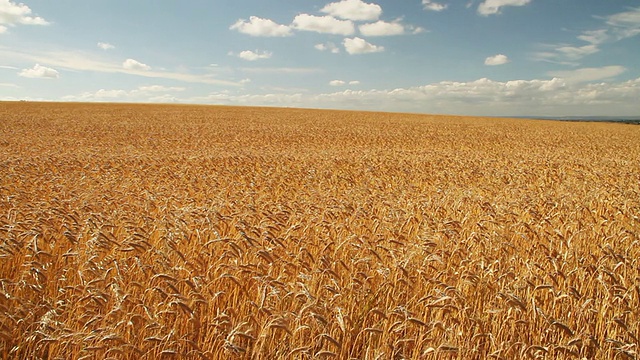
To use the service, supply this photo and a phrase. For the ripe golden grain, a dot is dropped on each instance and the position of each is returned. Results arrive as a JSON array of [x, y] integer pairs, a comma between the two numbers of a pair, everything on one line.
[[154, 231]]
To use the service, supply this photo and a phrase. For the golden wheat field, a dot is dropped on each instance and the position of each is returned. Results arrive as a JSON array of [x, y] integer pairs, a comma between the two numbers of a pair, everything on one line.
[[196, 232]]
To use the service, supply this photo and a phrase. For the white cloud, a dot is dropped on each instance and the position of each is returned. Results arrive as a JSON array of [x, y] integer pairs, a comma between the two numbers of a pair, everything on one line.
[[616, 27], [595, 37], [280, 70], [254, 55], [9, 85], [261, 27], [496, 60], [105, 46], [433, 6], [141, 94], [245, 81], [625, 24], [12, 14], [131, 64], [160, 88], [323, 24], [360, 46], [565, 54], [577, 52], [80, 61], [536, 97], [491, 7], [589, 74], [343, 83], [40, 72], [382, 28], [356, 10], [328, 47]]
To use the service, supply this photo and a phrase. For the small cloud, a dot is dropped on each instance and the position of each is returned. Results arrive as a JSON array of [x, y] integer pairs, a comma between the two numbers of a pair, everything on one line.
[[8, 67], [105, 46], [356, 10], [492, 7], [343, 83], [245, 81], [323, 24], [328, 47], [577, 52], [496, 60], [261, 27], [565, 54], [40, 72], [254, 55], [594, 37], [360, 46], [433, 6], [160, 88], [417, 30], [131, 64], [589, 74], [382, 28]]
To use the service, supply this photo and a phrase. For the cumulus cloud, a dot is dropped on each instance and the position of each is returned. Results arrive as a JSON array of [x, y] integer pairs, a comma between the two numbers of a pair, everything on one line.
[[256, 26], [105, 46], [496, 60], [323, 24], [329, 46], [589, 74], [40, 72], [254, 55], [12, 14], [148, 93], [433, 6], [357, 45], [354, 82], [131, 64], [535, 97], [382, 28], [355, 10], [491, 7]]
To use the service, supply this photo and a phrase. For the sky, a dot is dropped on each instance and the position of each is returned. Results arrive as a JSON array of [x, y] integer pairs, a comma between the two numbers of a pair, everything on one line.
[[466, 57]]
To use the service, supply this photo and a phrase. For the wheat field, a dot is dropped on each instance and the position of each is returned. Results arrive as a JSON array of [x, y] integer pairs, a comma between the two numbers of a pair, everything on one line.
[[198, 232]]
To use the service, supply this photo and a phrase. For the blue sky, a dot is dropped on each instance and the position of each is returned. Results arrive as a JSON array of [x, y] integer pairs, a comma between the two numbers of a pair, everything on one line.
[[472, 57]]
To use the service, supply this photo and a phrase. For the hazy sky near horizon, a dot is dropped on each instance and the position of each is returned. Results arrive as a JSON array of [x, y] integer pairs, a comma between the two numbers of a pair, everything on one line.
[[472, 57]]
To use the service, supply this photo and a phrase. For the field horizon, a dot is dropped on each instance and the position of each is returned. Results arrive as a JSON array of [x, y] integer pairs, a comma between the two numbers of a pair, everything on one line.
[[146, 231], [627, 119]]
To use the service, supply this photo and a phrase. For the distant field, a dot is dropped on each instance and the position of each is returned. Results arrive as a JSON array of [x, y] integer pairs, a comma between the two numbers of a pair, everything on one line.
[[195, 232]]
